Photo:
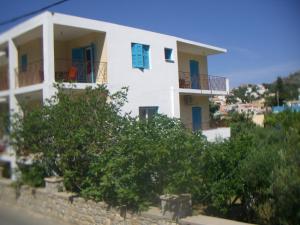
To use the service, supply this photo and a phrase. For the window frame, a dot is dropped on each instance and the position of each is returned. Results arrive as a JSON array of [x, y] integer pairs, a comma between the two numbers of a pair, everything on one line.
[[147, 109], [171, 58]]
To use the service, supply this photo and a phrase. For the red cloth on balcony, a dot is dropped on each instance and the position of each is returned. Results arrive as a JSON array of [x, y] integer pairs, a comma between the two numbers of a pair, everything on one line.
[[72, 73]]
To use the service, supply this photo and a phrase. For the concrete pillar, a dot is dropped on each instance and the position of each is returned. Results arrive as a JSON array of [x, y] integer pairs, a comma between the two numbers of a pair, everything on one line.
[[12, 63], [14, 107], [175, 104], [48, 56]]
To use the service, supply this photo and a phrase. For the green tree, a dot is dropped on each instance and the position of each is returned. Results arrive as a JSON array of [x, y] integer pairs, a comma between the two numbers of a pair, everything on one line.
[[66, 134]]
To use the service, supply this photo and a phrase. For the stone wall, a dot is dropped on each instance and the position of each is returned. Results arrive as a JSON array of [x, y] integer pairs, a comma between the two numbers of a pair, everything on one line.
[[70, 208], [67, 208]]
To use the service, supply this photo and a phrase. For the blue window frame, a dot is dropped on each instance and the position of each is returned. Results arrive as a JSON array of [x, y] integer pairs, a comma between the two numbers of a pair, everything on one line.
[[24, 63], [169, 55], [140, 56]]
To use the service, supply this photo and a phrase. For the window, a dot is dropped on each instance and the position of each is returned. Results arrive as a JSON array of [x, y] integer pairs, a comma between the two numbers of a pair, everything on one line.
[[169, 55], [24, 63], [147, 112], [140, 56]]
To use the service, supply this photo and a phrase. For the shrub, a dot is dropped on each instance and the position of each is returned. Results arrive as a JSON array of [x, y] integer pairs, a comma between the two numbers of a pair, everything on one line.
[[66, 134], [152, 157], [105, 156]]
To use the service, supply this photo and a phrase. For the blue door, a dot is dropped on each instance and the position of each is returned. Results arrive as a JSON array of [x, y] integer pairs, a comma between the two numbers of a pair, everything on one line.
[[78, 62], [194, 72], [196, 116]]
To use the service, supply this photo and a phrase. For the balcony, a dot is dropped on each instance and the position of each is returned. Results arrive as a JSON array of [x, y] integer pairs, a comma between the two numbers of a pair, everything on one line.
[[202, 82], [30, 74], [80, 72], [3, 80]]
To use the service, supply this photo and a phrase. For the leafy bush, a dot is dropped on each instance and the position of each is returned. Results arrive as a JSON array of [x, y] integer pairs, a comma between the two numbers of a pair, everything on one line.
[[105, 156], [66, 134], [152, 157]]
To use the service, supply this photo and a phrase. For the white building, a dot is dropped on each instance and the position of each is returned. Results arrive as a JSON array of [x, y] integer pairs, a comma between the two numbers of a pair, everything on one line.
[[164, 73]]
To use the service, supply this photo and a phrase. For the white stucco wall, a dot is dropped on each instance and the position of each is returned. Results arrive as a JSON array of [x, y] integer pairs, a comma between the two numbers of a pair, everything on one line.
[[149, 87], [217, 134]]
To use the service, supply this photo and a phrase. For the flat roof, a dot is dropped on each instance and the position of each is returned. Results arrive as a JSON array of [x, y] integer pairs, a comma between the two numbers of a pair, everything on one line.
[[208, 49]]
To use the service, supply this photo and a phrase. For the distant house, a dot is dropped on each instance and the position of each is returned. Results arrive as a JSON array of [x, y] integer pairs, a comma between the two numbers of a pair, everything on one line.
[[295, 107], [164, 74]]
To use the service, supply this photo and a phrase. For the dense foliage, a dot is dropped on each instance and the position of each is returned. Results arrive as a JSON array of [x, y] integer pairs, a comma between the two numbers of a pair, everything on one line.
[[266, 170], [67, 133], [103, 155]]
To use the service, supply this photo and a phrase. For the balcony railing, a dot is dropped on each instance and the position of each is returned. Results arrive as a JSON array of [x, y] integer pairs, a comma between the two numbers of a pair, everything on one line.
[[3, 80], [80, 72], [202, 82], [30, 74]]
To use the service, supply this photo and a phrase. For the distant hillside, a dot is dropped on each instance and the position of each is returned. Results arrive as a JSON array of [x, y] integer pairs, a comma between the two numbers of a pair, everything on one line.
[[286, 88], [291, 80]]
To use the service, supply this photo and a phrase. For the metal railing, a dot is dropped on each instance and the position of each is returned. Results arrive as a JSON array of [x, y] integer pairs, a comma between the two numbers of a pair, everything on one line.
[[3, 80], [80, 72], [30, 74], [202, 82]]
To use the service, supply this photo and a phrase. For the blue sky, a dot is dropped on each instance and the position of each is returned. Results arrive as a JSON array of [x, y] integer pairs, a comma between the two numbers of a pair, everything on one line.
[[262, 36]]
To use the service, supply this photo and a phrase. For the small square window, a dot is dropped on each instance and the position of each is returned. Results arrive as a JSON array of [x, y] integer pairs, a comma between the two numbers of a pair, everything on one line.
[[169, 55], [147, 112]]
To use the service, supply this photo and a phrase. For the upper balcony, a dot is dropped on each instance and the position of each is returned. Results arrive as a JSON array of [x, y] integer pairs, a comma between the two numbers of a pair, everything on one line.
[[80, 72], [204, 82], [193, 70], [79, 56]]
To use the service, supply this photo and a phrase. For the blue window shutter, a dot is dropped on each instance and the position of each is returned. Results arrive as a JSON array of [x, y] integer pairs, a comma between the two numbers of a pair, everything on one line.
[[78, 62], [134, 55], [146, 56], [139, 52], [137, 55], [77, 55]]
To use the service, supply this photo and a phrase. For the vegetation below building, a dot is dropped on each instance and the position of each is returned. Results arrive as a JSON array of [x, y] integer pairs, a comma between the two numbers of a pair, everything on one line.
[[103, 155]]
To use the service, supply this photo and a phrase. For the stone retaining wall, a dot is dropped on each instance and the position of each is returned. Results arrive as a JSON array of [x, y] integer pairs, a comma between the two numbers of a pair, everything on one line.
[[71, 209]]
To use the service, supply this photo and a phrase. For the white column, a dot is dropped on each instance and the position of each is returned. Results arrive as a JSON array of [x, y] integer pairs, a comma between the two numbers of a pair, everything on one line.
[[172, 102], [14, 106], [175, 105], [48, 57], [12, 63], [13, 66]]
